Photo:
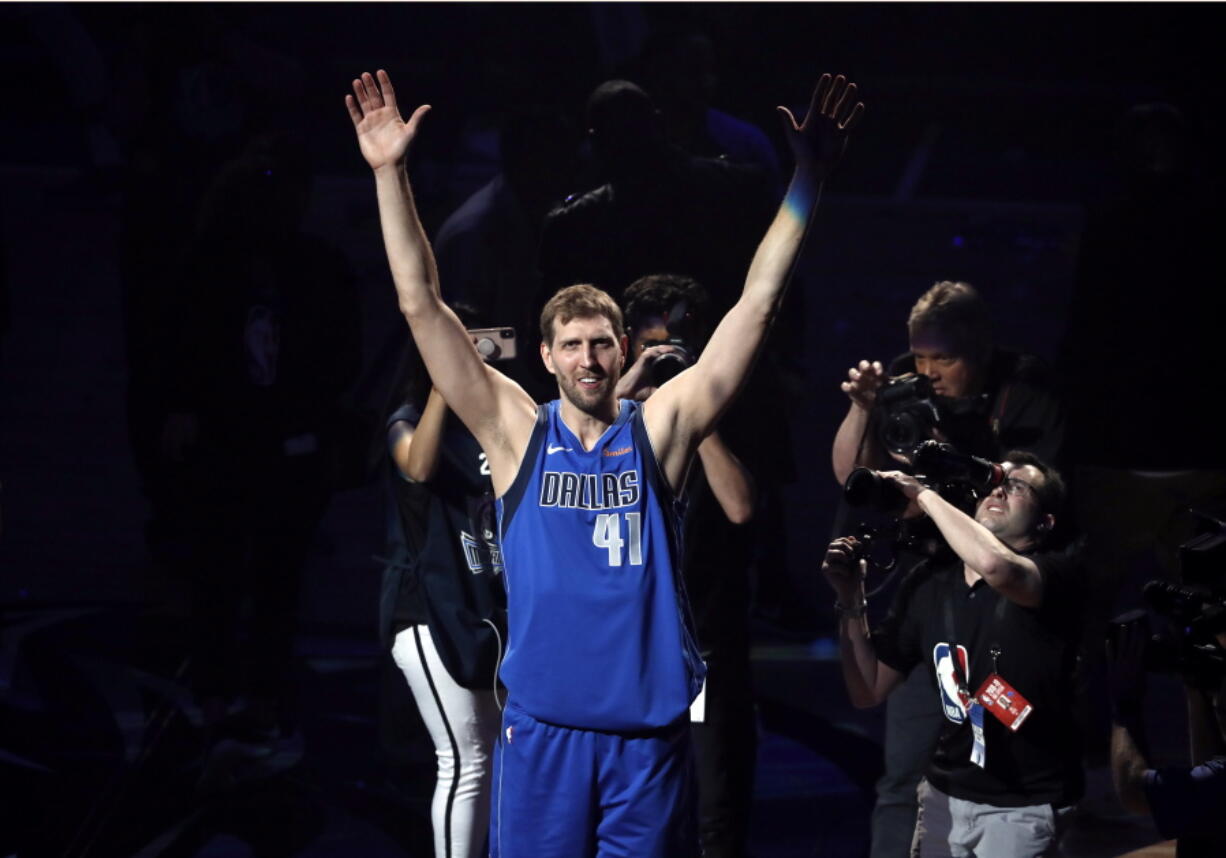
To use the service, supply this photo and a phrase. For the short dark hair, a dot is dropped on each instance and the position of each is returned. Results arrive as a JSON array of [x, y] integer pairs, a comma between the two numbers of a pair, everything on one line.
[[580, 302], [656, 294], [1052, 492]]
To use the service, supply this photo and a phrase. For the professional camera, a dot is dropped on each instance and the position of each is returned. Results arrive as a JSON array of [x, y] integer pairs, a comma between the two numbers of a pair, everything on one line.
[[881, 545], [960, 479], [1197, 609], [910, 412], [670, 364], [682, 336]]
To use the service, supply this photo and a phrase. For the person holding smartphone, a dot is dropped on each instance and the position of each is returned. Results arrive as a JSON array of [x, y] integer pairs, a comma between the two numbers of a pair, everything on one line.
[[442, 610]]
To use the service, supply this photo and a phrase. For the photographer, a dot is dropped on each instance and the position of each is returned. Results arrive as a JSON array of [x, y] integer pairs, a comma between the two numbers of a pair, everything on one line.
[[1185, 801], [666, 320], [1001, 627], [993, 399], [988, 400]]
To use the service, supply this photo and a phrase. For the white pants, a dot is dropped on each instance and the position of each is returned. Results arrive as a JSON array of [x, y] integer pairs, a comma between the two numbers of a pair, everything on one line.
[[464, 725]]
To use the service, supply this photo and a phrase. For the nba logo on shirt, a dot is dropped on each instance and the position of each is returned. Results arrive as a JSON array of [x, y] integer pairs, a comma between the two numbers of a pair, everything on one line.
[[953, 702]]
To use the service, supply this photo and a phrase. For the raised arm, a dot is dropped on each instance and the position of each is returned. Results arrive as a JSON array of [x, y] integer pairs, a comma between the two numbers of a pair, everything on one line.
[[730, 481], [868, 680], [1013, 575], [415, 449], [496, 410], [861, 388], [688, 406]]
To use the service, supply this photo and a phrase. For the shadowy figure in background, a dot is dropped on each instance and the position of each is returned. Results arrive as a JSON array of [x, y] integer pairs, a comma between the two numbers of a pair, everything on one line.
[[194, 87], [1138, 358], [1185, 801], [678, 69], [6, 308], [668, 326], [486, 249], [268, 341], [1146, 309], [660, 209]]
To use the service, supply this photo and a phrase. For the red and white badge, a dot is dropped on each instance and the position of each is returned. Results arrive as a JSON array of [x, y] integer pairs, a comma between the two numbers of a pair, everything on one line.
[[1004, 702]]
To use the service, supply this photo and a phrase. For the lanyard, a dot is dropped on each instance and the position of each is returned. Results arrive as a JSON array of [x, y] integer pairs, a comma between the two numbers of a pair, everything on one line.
[[952, 637]]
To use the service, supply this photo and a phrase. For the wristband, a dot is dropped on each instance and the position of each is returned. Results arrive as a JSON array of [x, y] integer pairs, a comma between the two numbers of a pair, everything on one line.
[[853, 612]]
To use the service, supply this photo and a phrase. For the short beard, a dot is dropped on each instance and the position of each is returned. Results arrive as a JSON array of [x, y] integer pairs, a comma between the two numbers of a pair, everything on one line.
[[573, 394]]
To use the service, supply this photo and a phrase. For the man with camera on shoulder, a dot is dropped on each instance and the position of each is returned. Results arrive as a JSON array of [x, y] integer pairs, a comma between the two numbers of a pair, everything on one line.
[[1186, 802], [984, 398], [997, 632]]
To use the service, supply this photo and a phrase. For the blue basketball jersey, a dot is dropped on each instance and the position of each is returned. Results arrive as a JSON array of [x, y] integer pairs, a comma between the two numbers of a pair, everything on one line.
[[600, 633]]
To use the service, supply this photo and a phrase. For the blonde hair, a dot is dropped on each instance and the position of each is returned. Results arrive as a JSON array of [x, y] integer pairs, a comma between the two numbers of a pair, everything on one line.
[[957, 310]]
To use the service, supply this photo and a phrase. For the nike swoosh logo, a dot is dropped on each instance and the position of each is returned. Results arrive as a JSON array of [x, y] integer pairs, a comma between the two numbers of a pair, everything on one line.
[[550, 450]]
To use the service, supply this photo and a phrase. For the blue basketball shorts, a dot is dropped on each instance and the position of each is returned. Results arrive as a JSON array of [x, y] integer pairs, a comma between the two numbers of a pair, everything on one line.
[[561, 792]]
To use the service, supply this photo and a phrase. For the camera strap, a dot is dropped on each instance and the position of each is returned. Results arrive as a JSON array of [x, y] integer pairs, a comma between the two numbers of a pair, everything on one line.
[[1001, 401], [951, 637]]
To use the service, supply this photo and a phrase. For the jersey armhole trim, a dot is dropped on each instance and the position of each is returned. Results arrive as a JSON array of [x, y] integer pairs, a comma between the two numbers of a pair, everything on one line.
[[510, 500], [651, 464]]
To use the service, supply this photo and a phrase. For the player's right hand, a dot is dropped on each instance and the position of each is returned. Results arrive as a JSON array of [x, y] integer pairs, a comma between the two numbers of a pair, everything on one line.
[[862, 383], [383, 136]]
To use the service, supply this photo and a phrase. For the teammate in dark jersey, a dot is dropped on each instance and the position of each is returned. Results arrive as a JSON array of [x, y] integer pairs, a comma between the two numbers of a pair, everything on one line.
[[604, 775], [442, 598]]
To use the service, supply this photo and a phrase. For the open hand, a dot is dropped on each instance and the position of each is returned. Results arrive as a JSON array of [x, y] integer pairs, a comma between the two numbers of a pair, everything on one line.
[[862, 383], [383, 136], [819, 141]]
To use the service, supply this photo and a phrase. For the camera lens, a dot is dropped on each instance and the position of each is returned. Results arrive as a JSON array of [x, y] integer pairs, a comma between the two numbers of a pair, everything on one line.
[[487, 348], [865, 487], [667, 366], [902, 432]]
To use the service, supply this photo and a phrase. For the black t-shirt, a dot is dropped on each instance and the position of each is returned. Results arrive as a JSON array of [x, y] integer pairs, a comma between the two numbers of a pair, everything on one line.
[[1020, 408], [1038, 764]]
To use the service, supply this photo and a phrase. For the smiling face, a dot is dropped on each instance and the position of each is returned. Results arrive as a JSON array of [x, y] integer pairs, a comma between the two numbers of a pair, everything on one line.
[[586, 356], [952, 372], [1012, 512]]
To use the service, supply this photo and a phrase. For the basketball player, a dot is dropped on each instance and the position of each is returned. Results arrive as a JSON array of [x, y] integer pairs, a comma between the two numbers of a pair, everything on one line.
[[601, 666]]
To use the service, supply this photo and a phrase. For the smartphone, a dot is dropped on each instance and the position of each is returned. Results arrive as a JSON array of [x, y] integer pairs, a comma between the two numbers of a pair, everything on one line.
[[494, 344]]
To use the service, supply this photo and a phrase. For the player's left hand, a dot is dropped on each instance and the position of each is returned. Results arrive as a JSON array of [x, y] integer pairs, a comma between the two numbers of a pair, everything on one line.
[[818, 142]]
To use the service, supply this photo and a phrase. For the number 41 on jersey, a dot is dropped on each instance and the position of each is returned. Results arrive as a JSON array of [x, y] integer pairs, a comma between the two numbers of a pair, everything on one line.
[[608, 535]]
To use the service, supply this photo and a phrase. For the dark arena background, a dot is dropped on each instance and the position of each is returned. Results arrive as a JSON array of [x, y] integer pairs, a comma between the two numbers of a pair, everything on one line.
[[998, 148]]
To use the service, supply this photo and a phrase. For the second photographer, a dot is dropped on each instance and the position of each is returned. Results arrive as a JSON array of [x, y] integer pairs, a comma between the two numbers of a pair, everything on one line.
[[999, 632]]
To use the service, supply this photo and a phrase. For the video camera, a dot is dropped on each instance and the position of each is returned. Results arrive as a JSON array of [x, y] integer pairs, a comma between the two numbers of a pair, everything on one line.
[[667, 366], [959, 478], [910, 413], [1197, 608]]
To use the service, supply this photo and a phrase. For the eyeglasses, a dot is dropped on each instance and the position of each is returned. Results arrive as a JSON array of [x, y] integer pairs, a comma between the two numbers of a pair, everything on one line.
[[1016, 488]]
